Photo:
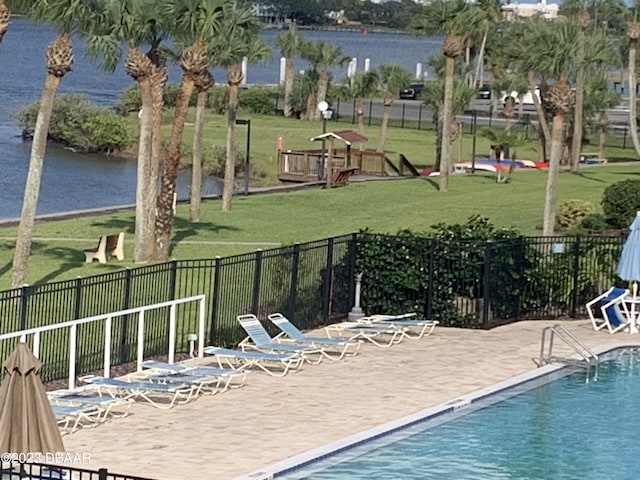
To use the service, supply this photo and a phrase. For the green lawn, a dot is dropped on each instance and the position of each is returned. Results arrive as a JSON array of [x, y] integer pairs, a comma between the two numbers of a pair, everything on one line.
[[261, 221]]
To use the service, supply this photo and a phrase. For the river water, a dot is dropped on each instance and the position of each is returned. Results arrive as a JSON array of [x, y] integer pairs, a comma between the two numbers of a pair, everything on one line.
[[72, 181]]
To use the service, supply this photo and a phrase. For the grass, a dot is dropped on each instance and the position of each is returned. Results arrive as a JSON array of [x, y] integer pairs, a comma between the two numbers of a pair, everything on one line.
[[263, 221]]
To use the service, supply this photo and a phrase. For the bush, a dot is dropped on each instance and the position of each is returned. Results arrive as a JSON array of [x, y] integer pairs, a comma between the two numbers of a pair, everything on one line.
[[77, 123], [571, 212], [129, 100], [218, 99], [257, 100], [620, 202], [593, 223]]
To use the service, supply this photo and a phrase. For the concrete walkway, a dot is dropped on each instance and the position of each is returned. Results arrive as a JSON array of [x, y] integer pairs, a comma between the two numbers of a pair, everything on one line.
[[271, 419]]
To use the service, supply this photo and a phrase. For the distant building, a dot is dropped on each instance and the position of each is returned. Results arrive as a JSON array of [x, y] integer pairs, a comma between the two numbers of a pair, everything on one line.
[[514, 11]]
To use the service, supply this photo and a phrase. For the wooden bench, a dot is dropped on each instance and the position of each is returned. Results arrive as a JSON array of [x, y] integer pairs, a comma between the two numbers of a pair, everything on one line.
[[108, 246], [341, 177]]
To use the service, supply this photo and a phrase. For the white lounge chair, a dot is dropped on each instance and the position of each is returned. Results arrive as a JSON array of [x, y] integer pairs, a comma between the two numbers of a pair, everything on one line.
[[160, 395], [380, 335], [109, 406], [614, 310], [275, 364], [72, 417], [259, 339], [340, 346], [228, 377], [414, 327]]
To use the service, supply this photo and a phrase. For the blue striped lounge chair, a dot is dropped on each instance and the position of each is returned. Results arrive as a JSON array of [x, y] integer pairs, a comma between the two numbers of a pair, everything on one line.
[[380, 335], [178, 372], [259, 339], [414, 327], [160, 395], [274, 364], [332, 348]]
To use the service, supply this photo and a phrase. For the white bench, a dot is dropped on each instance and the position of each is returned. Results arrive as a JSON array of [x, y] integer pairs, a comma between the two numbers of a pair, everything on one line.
[[108, 246]]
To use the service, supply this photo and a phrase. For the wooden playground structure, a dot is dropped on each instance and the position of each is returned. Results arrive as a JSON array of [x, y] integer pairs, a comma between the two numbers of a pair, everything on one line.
[[335, 166]]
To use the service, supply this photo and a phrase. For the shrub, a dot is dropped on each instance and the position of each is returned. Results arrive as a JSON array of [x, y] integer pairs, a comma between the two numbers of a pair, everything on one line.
[[571, 212], [129, 100], [593, 223], [257, 100], [218, 99], [620, 202], [77, 123]]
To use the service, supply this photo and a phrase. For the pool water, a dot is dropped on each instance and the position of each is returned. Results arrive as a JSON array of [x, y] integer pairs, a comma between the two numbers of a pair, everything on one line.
[[574, 427]]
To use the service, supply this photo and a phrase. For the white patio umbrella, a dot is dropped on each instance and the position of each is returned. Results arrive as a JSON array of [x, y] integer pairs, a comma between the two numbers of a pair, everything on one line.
[[629, 265]]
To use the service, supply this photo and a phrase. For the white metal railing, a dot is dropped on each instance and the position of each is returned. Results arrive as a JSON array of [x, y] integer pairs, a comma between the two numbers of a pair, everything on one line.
[[546, 348], [107, 318]]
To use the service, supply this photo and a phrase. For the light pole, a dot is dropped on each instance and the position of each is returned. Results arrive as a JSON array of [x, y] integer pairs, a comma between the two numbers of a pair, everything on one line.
[[247, 165], [327, 113]]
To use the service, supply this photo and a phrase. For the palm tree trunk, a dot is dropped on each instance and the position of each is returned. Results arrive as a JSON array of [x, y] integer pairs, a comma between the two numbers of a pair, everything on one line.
[[549, 216], [323, 85], [576, 142], [164, 214], [32, 186], [633, 122], [289, 75], [478, 80], [195, 195], [5, 19], [386, 112], [542, 119], [234, 77], [603, 120], [360, 119], [445, 156]]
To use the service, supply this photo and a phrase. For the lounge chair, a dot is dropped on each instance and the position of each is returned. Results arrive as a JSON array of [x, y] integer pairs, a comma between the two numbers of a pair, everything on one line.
[[275, 364], [339, 346], [414, 327], [71, 417], [228, 377], [615, 314], [160, 395], [109, 406], [380, 335], [259, 339]]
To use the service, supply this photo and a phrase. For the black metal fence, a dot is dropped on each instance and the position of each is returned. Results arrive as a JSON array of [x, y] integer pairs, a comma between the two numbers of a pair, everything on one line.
[[43, 471], [416, 115], [471, 284]]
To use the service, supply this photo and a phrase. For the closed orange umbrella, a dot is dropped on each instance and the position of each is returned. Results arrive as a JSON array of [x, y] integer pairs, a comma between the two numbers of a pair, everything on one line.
[[27, 422]]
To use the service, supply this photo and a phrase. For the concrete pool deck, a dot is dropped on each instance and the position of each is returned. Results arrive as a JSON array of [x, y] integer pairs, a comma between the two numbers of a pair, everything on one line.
[[271, 419]]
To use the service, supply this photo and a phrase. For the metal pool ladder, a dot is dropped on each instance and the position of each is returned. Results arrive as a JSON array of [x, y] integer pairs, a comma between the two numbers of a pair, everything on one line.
[[587, 357]]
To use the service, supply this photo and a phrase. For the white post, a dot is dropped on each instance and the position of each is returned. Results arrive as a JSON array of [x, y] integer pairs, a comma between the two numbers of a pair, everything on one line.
[[245, 63], [36, 343], [352, 68], [172, 333], [201, 330], [419, 75], [107, 348], [140, 357], [356, 311], [283, 69], [367, 64], [73, 332]]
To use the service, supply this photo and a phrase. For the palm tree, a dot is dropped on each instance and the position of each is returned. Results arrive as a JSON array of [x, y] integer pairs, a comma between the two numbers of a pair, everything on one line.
[[633, 32], [584, 21], [322, 56], [598, 98], [392, 77], [196, 23], [137, 22], [289, 44], [202, 84], [357, 87], [5, 17], [451, 48], [238, 38], [65, 16], [504, 140]]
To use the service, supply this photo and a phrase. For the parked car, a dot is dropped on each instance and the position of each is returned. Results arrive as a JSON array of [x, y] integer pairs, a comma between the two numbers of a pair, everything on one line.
[[484, 92], [412, 92]]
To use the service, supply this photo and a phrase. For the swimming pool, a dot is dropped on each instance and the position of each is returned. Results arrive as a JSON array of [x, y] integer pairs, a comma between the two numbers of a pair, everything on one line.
[[552, 423]]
